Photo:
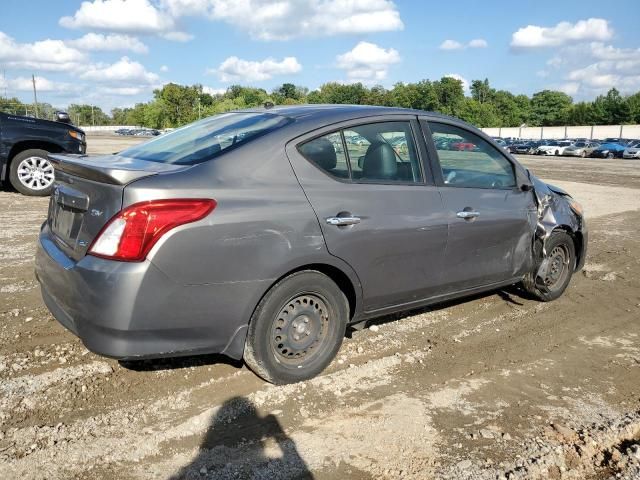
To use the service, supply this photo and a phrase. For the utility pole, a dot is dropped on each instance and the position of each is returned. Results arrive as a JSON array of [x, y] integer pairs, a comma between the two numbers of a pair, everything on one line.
[[35, 95]]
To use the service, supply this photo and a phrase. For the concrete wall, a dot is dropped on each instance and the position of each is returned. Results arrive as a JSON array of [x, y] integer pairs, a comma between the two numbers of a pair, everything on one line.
[[596, 131]]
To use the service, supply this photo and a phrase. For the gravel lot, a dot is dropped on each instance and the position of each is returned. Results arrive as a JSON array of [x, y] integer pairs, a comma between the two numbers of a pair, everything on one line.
[[496, 386]]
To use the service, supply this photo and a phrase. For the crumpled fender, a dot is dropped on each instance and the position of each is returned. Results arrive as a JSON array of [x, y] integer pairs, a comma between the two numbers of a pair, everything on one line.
[[554, 211]]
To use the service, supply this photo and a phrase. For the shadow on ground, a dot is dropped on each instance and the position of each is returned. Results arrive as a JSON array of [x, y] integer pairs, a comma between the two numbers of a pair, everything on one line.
[[241, 444]]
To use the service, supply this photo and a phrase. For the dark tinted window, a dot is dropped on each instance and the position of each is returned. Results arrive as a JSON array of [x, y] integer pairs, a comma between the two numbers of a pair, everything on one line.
[[469, 161], [206, 139], [375, 152]]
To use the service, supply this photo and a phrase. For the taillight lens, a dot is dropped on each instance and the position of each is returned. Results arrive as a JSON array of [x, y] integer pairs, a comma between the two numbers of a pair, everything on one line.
[[130, 234]]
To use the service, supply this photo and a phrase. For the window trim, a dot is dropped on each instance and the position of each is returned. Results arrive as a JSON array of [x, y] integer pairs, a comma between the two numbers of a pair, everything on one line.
[[435, 158], [345, 125]]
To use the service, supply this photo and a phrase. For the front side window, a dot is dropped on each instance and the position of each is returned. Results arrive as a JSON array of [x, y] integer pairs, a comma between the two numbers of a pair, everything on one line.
[[468, 161], [375, 152]]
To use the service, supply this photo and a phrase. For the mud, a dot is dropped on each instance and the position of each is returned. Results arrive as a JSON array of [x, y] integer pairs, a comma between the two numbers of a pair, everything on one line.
[[494, 386]]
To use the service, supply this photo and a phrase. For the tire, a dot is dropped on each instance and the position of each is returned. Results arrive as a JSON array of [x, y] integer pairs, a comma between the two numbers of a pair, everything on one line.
[[557, 282], [557, 153], [583, 154], [31, 173], [610, 155], [297, 328]]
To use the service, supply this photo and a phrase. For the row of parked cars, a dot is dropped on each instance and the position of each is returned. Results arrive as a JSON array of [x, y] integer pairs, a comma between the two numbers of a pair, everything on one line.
[[575, 147], [138, 132]]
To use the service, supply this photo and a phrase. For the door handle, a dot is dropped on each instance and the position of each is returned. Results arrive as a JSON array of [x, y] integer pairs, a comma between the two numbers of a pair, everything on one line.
[[343, 221], [467, 214]]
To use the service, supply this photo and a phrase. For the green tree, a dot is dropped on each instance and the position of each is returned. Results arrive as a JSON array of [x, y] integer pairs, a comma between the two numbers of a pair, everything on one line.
[[481, 92], [549, 107]]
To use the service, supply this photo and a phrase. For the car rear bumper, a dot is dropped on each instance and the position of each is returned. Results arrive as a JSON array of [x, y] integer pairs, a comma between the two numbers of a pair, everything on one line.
[[133, 310]]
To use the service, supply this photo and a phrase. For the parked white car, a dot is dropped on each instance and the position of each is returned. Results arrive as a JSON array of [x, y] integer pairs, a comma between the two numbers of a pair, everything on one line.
[[555, 148], [632, 152]]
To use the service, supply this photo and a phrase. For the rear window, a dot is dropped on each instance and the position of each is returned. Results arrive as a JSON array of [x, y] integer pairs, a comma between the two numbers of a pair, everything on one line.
[[206, 139]]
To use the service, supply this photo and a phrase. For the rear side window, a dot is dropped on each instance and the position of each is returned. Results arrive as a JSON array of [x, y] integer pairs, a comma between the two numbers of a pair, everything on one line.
[[327, 153], [467, 160], [375, 152], [206, 139]]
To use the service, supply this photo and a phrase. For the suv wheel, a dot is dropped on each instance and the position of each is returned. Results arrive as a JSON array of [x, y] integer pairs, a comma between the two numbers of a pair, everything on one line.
[[297, 328], [31, 173], [561, 256]]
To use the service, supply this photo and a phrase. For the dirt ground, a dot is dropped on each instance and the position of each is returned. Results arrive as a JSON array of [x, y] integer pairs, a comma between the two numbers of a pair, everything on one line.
[[495, 386]]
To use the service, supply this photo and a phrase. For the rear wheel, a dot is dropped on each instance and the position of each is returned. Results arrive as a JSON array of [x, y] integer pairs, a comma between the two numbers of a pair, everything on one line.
[[31, 173], [561, 258], [610, 155], [583, 154], [297, 328]]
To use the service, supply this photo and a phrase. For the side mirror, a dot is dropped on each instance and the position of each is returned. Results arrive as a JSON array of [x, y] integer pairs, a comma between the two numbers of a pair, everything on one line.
[[526, 187]]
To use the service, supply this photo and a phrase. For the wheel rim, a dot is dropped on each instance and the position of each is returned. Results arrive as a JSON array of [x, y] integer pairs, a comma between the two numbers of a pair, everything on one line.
[[301, 329], [35, 173], [558, 267]]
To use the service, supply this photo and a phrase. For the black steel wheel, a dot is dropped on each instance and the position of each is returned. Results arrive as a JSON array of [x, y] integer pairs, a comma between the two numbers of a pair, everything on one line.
[[561, 262], [297, 328]]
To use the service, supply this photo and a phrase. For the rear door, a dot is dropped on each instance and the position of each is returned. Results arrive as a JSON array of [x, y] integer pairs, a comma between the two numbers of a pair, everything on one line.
[[491, 220], [377, 206]]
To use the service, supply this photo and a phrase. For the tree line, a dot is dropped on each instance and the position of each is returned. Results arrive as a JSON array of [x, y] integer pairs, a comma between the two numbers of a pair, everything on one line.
[[174, 105]]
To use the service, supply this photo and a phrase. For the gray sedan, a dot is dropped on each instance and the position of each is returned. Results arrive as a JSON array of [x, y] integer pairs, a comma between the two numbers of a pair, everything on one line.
[[262, 234]]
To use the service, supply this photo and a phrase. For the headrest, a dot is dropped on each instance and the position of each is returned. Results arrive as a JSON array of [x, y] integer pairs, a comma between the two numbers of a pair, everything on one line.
[[380, 162], [321, 152]]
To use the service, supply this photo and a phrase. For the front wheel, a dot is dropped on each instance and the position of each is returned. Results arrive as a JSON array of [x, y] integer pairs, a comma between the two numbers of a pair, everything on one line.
[[561, 262], [297, 328], [31, 173], [610, 155]]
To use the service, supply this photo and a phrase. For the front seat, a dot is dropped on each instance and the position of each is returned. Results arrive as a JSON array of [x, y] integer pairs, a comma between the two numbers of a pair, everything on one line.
[[380, 162]]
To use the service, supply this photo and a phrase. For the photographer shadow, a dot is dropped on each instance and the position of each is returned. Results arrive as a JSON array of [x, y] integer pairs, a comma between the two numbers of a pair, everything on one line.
[[240, 444]]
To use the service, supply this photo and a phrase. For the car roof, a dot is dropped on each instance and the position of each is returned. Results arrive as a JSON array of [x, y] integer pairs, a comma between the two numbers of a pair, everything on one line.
[[330, 113]]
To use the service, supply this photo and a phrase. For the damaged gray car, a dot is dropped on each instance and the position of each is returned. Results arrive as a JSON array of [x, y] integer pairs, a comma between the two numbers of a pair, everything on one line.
[[262, 234]]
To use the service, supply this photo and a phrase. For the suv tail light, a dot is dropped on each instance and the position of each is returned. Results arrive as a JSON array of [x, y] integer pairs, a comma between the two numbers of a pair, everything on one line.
[[132, 232]]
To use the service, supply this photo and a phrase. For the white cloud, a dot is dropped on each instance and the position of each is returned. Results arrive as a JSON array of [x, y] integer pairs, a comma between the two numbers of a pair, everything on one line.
[[570, 88], [465, 83], [122, 71], [108, 43], [367, 62], [50, 55], [234, 69], [122, 91], [533, 36], [478, 43], [25, 84], [590, 69], [455, 45], [177, 36], [451, 45], [164, 68], [285, 19], [214, 91], [127, 16]]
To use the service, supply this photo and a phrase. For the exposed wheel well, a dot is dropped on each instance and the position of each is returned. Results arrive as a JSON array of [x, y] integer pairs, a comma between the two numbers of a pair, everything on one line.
[[577, 240], [335, 274]]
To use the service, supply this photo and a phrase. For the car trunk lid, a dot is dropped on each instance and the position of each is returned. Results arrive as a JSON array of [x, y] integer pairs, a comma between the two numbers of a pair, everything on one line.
[[88, 192]]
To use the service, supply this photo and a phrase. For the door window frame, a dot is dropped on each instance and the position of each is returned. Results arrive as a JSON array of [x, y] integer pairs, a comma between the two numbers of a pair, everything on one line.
[[434, 158], [424, 163]]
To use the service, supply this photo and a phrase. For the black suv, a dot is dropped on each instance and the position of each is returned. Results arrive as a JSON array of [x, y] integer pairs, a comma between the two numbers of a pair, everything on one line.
[[25, 143]]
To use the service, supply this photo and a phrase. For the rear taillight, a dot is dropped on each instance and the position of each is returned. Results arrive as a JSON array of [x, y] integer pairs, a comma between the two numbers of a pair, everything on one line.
[[130, 234]]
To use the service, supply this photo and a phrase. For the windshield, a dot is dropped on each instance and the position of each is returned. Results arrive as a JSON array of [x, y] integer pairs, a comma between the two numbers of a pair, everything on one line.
[[206, 139], [580, 144]]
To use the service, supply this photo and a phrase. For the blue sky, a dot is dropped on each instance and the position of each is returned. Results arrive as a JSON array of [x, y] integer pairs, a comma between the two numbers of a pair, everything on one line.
[[115, 52]]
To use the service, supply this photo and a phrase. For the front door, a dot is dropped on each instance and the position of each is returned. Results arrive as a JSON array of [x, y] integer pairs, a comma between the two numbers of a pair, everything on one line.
[[491, 220], [377, 211]]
